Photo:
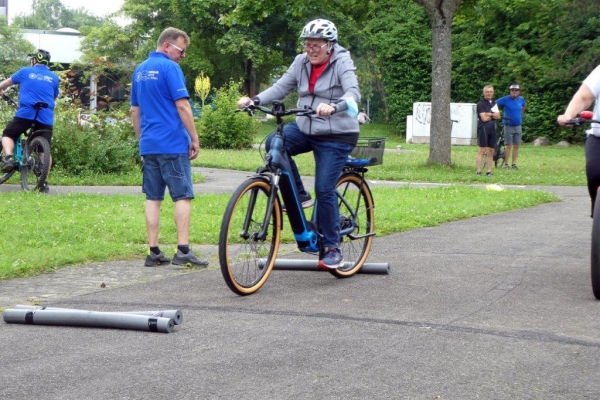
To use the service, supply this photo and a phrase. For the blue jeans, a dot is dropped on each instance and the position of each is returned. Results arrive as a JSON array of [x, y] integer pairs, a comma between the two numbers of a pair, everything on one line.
[[330, 158], [167, 170]]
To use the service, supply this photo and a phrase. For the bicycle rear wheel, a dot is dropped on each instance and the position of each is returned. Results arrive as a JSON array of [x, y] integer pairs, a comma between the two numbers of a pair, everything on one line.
[[34, 171], [4, 176], [357, 223], [595, 264], [499, 160], [246, 258]]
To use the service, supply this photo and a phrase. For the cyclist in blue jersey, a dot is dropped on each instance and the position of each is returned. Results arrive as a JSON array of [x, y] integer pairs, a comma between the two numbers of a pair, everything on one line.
[[514, 105], [36, 83], [163, 122]]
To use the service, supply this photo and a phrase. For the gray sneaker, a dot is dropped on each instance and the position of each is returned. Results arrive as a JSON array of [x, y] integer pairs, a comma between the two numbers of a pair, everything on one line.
[[188, 259], [152, 260]]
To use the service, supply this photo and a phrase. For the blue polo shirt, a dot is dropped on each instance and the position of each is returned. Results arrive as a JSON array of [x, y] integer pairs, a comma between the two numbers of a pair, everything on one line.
[[36, 83], [512, 109], [157, 83]]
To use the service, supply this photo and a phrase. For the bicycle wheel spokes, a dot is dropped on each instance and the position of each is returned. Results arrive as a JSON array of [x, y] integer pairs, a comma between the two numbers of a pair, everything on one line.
[[246, 256], [36, 165], [356, 223]]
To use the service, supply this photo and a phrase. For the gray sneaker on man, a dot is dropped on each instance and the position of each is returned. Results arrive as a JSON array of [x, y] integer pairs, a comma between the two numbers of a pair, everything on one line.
[[188, 259], [9, 164], [152, 260]]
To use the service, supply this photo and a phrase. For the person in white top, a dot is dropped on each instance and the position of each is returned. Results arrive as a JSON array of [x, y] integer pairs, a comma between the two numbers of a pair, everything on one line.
[[588, 93], [363, 118]]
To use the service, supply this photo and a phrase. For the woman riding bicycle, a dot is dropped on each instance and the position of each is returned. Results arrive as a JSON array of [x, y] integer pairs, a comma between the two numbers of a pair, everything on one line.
[[325, 80], [588, 92], [37, 84]]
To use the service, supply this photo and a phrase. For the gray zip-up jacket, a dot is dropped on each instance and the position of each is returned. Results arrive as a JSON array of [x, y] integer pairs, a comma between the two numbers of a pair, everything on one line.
[[337, 82]]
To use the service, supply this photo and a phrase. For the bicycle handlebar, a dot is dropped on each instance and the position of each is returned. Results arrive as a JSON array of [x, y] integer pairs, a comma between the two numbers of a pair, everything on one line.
[[9, 101], [585, 117], [277, 110]]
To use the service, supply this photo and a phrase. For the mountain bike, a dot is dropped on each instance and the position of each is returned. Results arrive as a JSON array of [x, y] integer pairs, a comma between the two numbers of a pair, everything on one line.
[[251, 229], [586, 117], [31, 154]]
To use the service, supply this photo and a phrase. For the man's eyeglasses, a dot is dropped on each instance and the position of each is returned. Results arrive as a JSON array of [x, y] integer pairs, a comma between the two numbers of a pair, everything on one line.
[[181, 51], [515, 90], [314, 47]]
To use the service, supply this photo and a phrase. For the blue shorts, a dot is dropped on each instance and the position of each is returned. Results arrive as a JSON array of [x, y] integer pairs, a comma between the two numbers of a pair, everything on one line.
[[167, 170]]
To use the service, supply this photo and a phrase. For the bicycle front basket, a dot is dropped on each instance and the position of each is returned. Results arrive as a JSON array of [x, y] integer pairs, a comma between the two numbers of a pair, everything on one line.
[[368, 151]]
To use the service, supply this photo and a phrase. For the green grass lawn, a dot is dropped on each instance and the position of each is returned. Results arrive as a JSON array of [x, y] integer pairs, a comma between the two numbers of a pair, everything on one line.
[[545, 166], [43, 232], [49, 232]]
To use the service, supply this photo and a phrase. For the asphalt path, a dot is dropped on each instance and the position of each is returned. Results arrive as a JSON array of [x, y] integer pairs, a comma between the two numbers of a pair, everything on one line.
[[494, 307]]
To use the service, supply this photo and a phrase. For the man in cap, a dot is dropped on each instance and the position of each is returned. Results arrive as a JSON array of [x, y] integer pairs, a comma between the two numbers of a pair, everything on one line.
[[514, 105]]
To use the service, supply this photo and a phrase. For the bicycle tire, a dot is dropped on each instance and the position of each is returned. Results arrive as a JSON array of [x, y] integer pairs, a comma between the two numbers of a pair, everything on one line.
[[499, 153], [595, 253], [246, 262], [357, 211], [34, 172], [4, 176]]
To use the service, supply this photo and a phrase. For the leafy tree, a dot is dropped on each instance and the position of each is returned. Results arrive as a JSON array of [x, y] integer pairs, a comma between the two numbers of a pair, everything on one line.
[[110, 42], [52, 15], [399, 35], [546, 47], [14, 49]]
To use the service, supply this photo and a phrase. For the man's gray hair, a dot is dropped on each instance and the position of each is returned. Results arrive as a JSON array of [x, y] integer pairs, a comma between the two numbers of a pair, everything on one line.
[[171, 35]]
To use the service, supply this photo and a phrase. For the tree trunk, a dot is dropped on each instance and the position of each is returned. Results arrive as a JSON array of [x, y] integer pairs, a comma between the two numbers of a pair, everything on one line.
[[250, 83], [441, 13]]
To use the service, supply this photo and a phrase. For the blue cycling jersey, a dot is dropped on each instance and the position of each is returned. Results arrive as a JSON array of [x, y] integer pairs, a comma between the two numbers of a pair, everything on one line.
[[36, 84], [157, 84]]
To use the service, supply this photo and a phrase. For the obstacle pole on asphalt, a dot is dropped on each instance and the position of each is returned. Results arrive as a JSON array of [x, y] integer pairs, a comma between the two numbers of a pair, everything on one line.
[[311, 265], [176, 315], [95, 319]]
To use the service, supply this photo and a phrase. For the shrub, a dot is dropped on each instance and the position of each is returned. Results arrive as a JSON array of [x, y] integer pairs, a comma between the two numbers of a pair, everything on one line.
[[221, 127], [106, 145]]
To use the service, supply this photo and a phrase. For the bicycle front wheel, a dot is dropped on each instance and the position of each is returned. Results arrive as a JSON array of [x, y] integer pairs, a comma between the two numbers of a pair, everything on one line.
[[357, 223], [4, 176], [34, 172], [249, 241], [595, 264]]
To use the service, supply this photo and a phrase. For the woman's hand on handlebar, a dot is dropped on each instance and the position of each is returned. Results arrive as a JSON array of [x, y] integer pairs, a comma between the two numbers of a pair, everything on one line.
[[244, 102], [324, 110]]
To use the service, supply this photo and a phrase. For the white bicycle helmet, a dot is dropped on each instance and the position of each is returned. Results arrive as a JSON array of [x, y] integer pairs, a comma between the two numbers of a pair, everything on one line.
[[319, 29]]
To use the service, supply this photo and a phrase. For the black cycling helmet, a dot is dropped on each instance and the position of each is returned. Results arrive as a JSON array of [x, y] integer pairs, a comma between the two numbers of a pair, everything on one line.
[[41, 56]]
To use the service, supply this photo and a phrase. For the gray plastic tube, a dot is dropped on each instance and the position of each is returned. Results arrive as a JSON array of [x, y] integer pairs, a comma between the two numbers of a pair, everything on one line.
[[176, 315], [89, 319], [311, 265]]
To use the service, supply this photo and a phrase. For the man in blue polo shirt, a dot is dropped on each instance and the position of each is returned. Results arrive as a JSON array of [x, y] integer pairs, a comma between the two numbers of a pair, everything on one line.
[[163, 123], [36, 83], [514, 105]]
